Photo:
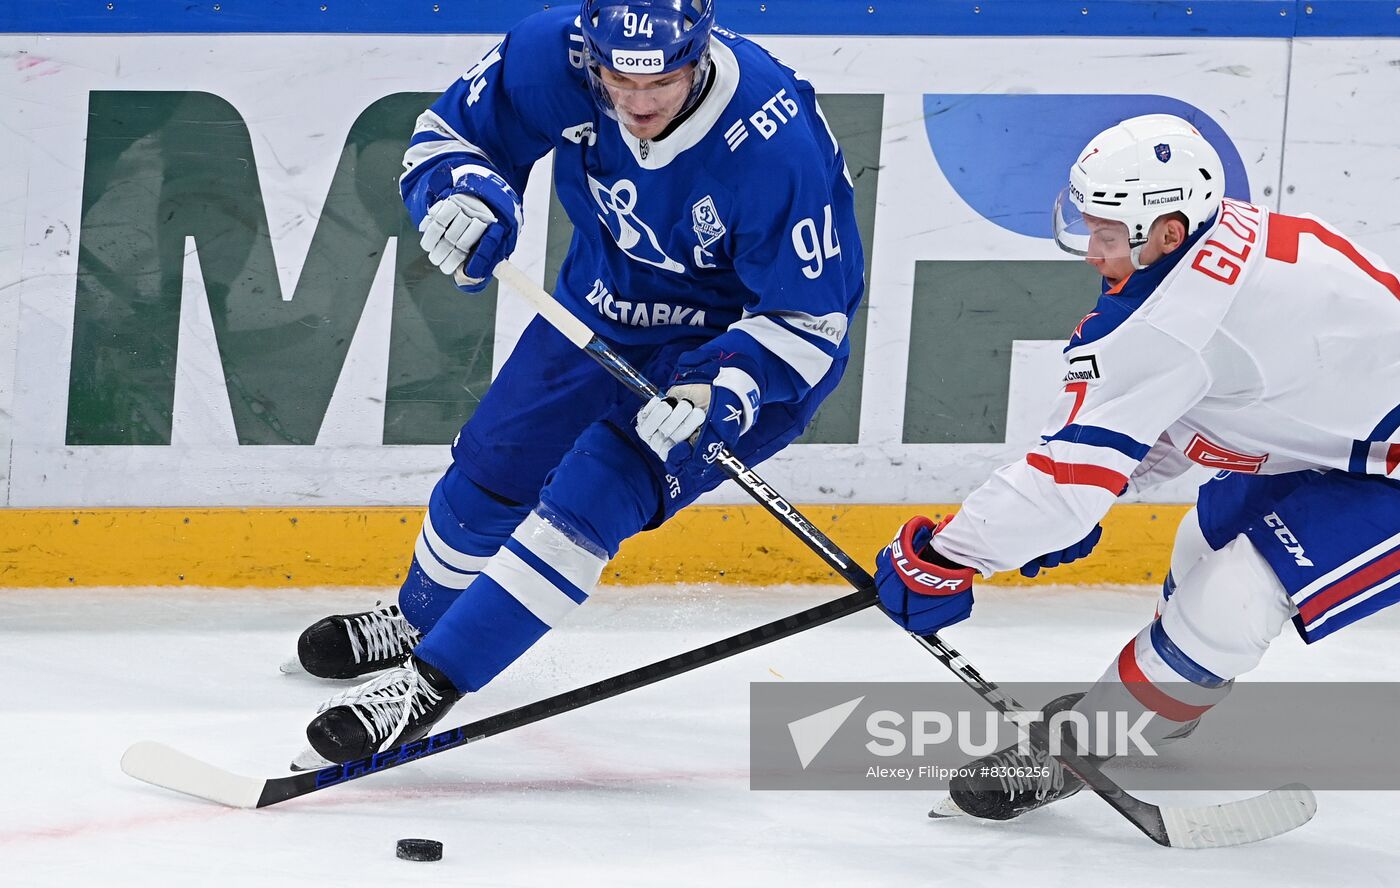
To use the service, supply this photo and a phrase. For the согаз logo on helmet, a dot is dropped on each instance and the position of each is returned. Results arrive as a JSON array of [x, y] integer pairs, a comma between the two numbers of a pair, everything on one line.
[[644, 62]]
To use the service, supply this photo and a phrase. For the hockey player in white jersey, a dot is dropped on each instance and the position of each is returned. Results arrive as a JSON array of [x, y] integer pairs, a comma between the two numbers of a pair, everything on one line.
[[1261, 345], [715, 248]]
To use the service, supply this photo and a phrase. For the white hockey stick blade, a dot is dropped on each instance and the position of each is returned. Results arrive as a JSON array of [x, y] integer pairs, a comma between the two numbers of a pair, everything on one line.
[[1239, 823], [159, 765], [946, 807]]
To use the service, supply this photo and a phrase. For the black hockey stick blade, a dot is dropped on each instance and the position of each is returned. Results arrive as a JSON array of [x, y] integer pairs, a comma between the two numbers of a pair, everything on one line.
[[158, 764]]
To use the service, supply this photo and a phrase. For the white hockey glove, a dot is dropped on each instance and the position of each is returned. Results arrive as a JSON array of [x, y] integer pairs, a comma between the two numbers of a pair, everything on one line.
[[452, 228], [472, 228], [664, 423], [695, 419]]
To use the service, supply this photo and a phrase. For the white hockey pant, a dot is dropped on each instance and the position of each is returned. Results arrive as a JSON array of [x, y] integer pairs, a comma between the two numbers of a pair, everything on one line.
[[1225, 610]]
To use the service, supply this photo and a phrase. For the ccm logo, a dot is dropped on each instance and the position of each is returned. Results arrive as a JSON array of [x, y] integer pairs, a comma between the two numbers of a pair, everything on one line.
[[649, 62], [1290, 542], [1210, 454]]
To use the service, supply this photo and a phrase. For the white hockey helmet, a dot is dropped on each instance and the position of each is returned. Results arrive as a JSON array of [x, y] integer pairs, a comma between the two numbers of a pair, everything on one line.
[[1134, 173]]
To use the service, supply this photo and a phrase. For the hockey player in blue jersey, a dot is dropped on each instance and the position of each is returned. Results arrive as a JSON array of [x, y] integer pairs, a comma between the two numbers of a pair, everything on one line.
[[715, 247]]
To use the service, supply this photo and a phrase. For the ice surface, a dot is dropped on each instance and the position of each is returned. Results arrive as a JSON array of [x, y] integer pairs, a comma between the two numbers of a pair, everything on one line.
[[650, 788]]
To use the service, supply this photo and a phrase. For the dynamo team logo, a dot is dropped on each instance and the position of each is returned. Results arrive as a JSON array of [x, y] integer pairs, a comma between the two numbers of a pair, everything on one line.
[[634, 237], [704, 219]]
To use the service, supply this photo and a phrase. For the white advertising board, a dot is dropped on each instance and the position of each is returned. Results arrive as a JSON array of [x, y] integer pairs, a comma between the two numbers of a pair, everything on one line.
[[1305, 120]]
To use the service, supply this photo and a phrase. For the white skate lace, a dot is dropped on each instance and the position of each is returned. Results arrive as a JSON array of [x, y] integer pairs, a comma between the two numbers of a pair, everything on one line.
[[1036, 773], [380, 634], [386, 704]]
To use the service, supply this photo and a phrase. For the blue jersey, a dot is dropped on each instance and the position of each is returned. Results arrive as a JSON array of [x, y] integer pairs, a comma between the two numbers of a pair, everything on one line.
[[737, 226]]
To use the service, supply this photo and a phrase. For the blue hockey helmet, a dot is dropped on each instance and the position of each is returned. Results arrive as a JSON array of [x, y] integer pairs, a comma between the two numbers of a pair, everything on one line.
[[646, 37]]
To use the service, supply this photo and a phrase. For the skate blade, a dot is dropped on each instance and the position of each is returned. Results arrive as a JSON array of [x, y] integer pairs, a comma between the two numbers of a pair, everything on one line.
[[292, 666], [945, 808], [309, 760]]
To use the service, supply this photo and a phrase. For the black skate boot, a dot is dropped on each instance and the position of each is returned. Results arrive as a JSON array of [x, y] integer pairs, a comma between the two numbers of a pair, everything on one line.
[[397, 707], [1007, 784], [351, 645]]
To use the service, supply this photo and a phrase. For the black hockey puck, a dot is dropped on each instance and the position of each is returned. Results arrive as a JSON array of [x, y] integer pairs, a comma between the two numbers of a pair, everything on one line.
[[419, 849]]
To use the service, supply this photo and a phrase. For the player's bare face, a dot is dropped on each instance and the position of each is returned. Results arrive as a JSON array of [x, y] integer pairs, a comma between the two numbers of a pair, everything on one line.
[[1111, 254], [647, 103], [1109, 250]]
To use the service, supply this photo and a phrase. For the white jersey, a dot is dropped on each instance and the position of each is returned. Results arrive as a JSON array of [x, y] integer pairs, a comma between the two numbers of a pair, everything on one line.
[[1266, 344]]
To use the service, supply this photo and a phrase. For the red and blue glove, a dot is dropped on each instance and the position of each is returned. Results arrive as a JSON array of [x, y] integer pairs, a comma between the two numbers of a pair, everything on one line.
[[1065, 555], [919, 589]]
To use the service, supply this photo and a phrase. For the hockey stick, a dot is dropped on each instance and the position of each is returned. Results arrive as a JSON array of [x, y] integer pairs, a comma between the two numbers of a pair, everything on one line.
[[164, 766], [1205, 826], [161, 765], [1187, 827], [1234, 823]]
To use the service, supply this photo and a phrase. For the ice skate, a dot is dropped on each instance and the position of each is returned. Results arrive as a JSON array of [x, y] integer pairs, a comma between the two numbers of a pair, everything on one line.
[[397, 707], [1008, 783], [352, 645]]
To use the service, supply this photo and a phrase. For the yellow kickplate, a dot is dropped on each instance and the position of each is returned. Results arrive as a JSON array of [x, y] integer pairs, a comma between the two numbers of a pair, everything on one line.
[[372, 546]]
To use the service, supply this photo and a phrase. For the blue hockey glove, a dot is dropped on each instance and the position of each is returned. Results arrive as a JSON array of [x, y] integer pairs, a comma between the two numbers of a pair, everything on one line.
[[1065, 555], [920, 594], [709, 406], [472, 228]]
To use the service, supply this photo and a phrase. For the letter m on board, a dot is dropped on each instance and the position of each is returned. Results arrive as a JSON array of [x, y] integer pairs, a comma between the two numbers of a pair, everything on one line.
[[164, 167]]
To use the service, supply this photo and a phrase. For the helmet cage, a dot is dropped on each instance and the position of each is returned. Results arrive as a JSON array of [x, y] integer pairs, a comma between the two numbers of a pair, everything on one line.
[[646, 37]]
